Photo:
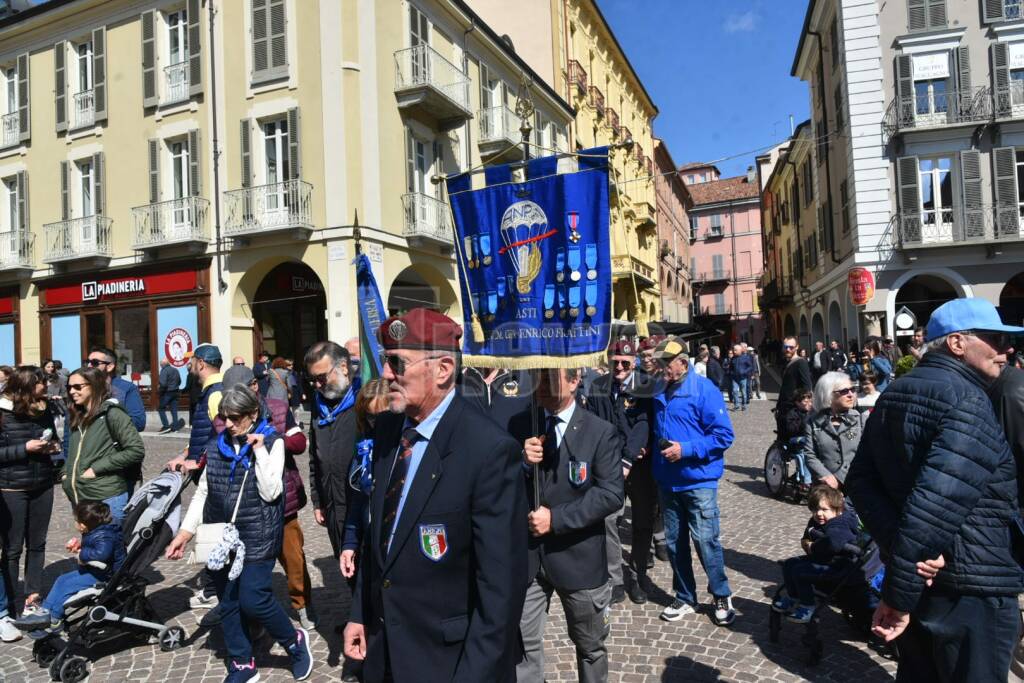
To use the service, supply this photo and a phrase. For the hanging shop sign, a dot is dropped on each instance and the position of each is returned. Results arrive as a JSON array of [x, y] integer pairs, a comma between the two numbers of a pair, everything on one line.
[[177, 347], [861, 283], [99, 291]]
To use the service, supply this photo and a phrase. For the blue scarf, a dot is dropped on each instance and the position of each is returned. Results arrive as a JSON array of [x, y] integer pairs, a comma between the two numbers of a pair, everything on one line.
[[227, 451], [328, 416]]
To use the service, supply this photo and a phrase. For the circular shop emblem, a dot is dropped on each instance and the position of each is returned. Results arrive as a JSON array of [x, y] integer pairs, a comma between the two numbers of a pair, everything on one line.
[[177, 343], [397, 330]]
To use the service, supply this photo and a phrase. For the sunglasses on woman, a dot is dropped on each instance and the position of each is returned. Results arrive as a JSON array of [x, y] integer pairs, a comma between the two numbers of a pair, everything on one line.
[[845, 391], [77, 387]]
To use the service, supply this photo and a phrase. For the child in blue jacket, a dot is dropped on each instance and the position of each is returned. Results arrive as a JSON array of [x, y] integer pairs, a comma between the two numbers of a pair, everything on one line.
[[830, 528], [101, 554]]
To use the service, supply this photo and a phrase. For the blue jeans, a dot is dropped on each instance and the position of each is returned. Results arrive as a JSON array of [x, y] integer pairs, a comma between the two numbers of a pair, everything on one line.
[[117, 504], [801, 574], [698, 510], [740, 393], [169, 400], [250, 594], [795, 448], [67, 585]]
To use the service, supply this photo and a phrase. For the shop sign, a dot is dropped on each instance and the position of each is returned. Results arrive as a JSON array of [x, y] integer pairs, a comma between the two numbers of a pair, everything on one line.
[[177, 346], [861, 283], [97, 291]]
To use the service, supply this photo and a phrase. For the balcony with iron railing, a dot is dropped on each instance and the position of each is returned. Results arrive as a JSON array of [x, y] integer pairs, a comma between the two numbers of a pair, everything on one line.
[[955, 226], [83, 109], [181, 221], [625, 133], [253, 211], [577, 78], [724, 309], [428, 84], [596, 100], [719, 275], [630, 266], [611, 117], [777, 293], [176, 82], [17, 251], [499, 133], [78, 239], [932, 108], [9, 131], [427, 221]]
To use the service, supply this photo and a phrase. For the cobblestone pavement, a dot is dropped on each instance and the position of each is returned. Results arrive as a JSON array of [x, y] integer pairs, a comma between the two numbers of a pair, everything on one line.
[[757, 531]]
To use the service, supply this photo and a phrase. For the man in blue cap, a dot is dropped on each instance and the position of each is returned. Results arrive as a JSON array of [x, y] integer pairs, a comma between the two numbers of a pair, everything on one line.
[[935, 483]]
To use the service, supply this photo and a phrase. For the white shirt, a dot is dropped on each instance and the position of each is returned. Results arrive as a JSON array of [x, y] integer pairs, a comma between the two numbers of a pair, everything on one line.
[[269, 471], [563, 422]]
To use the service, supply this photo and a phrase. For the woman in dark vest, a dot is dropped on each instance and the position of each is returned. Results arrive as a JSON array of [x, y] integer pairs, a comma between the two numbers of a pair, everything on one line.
[[245, 464]]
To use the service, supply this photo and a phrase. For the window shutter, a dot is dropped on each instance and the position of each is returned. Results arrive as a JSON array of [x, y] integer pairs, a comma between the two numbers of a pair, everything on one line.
[[410, 163], [195, 64], [98, 171], [993, 10], [1001, 78], [936, 14], [149, 91], [970, 178], [918, 15], [1005, 184], [59, 87], [278, 37], [260, 37], [195, 166], [963, 72], [154, 171], [22, 180], [246, 155], [294, 157], [65, 198], [24, 121], [905, 87], [99, 72], [909, 222]]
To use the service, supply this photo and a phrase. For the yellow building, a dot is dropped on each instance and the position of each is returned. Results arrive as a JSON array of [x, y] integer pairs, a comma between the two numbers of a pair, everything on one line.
[[196, 168], [591, 71]]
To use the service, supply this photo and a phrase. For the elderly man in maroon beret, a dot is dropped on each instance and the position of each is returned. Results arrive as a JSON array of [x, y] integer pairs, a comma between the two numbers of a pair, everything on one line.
[[442, 581]]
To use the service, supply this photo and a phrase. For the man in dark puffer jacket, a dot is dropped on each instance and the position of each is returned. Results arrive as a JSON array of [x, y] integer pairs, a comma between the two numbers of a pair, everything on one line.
[[934, 477]]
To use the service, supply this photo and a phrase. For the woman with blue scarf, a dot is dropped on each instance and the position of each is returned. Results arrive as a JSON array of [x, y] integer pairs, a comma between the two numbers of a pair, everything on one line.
[[245, 466]]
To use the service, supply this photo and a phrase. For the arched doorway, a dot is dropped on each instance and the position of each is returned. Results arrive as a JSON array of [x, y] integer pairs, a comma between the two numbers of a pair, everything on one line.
[[835, 323], [289, 311], [789, 326], [420, 286], [805, 338], [817, 329], [1011, 301], [922, 294]]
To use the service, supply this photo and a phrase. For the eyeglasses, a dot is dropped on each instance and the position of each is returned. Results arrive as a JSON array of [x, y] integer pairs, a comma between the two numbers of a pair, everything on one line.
[[622, 363], [323, 377], [789, 347], [1000, 341], [242, 363], [399, 365], [844, 392], [76, 387], [96, 362]]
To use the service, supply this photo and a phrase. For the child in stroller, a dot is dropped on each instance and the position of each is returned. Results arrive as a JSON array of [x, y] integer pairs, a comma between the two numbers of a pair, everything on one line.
[[100, 554], [789, 446]]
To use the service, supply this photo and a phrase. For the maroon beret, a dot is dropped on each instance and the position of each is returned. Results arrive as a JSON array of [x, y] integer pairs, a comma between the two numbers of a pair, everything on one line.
[[651, 343], [622, 347], [422, 329]]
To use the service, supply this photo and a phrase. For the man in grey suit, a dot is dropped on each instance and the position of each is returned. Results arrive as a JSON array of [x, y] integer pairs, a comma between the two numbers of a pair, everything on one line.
[[580, 483]]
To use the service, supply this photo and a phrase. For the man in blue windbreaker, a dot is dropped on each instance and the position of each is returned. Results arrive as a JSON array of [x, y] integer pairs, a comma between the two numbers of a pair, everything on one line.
[[692, 430]]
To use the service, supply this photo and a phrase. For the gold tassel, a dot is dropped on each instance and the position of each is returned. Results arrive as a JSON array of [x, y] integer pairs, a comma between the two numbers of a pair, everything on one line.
[[478, 330], [640, 319], [536, 362]]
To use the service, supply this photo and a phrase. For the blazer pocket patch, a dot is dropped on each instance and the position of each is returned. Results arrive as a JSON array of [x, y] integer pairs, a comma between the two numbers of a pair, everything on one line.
[[434, 541]]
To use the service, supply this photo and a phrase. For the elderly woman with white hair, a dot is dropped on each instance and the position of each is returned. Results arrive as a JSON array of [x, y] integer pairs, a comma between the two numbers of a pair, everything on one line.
[[833, 432]]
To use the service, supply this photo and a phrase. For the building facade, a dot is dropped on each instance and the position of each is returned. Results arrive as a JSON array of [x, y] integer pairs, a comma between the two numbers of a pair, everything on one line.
[[673, 203], [591, 71], [196, 169], [916, 125], [726, 260]]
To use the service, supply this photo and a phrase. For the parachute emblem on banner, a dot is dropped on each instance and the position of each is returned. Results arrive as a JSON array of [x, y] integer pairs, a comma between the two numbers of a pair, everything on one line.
[[523, 225]]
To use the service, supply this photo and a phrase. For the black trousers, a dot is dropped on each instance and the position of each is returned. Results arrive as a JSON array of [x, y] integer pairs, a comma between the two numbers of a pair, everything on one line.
[[643, 500], [953, 638], [24, 520]]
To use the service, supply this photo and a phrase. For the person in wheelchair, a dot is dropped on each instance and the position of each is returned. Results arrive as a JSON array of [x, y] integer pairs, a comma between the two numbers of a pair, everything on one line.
[[829, 530], [791, 435]]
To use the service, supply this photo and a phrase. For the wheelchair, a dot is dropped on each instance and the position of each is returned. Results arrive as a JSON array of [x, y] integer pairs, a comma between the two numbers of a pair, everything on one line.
[[782, 474]]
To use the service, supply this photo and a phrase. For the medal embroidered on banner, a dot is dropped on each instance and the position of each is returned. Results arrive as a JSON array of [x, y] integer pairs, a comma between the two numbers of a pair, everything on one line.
[[501, 292], [591, 299], [574, 302], [572, 221], [470, 263], [560, 265], [492, 305], [434, 541], [563, 306], [485, 249], [578, 472], [591, 256], [476, 251], [549, 302], [574, 264]]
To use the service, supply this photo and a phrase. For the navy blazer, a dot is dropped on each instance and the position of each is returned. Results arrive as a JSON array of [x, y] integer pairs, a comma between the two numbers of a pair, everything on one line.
[[444, 604]]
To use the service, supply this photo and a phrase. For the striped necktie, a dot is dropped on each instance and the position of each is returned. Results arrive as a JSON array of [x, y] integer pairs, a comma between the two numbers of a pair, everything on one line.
[[396, 484]]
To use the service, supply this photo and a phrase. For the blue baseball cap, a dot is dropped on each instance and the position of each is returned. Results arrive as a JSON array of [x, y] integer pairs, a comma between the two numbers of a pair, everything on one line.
[[972, 313], [208, 353]]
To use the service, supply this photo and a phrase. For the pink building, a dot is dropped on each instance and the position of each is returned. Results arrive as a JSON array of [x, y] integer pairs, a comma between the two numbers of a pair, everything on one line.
[[725, 252]]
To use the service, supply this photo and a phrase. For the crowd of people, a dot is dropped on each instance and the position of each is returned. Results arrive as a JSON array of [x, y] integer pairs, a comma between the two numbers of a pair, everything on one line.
[[451, 559]]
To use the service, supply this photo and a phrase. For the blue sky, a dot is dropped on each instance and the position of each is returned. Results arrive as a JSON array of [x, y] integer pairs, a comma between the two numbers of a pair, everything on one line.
[[718, 71]]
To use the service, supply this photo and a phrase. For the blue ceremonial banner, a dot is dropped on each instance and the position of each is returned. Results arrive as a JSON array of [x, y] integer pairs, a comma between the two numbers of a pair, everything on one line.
[[535, 263], [371, 315]]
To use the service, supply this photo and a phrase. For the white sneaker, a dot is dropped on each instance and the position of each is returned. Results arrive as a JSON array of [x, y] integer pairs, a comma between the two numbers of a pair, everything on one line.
[[307, 618], [9, 633], [201, 601], [677, 610]]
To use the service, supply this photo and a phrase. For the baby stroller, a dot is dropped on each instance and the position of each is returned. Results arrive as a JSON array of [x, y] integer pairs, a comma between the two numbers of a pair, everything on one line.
[[855, 593], [109, 612], [781, 474]]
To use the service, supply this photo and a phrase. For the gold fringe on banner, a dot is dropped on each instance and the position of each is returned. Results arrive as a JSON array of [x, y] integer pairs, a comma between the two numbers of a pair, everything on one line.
[[588, 360]]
